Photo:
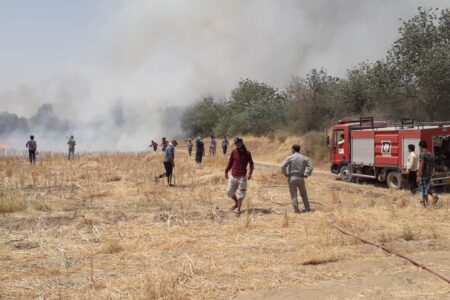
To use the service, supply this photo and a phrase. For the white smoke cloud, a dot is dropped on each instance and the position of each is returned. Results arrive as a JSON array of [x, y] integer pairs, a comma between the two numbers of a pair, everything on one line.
[[162, 53]]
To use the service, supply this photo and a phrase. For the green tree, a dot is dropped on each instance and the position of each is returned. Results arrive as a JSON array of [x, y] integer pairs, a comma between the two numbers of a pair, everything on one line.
[[314, 101], [201, 118], [420, 59], [253, 108]]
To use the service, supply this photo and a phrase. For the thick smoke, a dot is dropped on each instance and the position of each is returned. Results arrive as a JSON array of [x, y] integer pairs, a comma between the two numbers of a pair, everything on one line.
[[157, 56]]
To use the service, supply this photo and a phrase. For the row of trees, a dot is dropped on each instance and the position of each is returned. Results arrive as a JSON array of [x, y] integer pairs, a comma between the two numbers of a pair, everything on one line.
[[413, 80]]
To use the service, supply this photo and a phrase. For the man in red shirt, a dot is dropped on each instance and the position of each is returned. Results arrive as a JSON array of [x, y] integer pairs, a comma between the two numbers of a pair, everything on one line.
[[237, 182]]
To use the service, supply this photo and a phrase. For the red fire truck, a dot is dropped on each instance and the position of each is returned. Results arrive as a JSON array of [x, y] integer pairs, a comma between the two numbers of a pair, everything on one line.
[[371, 149]]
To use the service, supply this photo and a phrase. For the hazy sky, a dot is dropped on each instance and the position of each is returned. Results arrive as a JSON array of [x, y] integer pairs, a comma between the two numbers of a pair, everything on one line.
[[87, 56]]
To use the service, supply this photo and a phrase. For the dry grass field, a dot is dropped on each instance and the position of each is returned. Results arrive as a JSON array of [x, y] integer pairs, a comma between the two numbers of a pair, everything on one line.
[[100, 227]]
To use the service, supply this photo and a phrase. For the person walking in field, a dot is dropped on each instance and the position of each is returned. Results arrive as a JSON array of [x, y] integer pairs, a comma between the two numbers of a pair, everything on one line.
[[212, 148], [225, 143], [32, 147], [240, 158], [412, 169], [426, 166], [153, 145], [296, 167], [71, 142], [199, 150], [190, 146], [169, 162]]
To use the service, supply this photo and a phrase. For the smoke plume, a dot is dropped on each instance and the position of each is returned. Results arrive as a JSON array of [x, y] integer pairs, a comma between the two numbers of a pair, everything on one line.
[[154, 57]]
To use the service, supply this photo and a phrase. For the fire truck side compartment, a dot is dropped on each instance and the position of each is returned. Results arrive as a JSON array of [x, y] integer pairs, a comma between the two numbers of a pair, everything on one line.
[[362, 150]]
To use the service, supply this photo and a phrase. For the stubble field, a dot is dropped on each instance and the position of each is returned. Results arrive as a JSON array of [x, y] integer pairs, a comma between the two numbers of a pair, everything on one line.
[[101, 227]]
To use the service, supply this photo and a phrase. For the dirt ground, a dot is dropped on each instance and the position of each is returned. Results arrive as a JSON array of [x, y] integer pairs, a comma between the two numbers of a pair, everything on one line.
[[100, 227]]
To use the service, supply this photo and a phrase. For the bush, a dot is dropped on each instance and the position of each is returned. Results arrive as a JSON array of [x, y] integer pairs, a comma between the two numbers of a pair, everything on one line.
[[314, 145]]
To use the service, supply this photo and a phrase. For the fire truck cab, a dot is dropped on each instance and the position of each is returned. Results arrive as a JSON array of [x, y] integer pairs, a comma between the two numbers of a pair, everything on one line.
[[375, 150]]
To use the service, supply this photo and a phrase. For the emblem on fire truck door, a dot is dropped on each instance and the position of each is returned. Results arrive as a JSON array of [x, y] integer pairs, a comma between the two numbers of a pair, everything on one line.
[[386, 147]]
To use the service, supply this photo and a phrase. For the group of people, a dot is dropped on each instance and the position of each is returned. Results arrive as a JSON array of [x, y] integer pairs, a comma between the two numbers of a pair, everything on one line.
[[31, 145], [420, 170], [296, 167], [199, 147]]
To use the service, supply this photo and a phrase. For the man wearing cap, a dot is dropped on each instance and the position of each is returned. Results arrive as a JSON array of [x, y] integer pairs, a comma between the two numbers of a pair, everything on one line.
[[240, 157], [169, 162], [296, 167]]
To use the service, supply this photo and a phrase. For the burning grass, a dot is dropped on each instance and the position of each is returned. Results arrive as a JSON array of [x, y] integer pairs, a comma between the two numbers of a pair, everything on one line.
[[106, 235]]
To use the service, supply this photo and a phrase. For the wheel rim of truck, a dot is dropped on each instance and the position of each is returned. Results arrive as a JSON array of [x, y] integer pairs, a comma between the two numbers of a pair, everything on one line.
[[345, 174], [393, 180]]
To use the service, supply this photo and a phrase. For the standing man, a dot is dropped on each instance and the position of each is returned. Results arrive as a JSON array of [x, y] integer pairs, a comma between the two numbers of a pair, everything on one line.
[[237, 182], [212, 148], [224, 145], [190, 146], [412, 169], [426, 166], [32, 147], [169, 162], [296, 167], [154, 145], [199, 150], [71, 142], [164, 144]]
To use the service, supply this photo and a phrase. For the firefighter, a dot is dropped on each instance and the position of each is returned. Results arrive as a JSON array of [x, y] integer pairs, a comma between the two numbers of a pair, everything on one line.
[[32, 147], [240, 157], [341, 140], [296, 167], [426, 166], [71, 142]]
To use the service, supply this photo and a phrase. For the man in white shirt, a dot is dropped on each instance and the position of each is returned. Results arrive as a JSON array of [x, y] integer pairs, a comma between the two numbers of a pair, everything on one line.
[[411, 167]]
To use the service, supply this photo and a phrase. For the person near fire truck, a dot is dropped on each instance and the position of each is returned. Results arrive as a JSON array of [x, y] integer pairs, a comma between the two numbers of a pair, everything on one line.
[[426, 165], [341, 143], [412, 169], [296, 167]]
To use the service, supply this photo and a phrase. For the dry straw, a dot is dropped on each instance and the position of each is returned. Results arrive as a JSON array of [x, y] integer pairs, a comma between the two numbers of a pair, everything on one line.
[[101, 227]]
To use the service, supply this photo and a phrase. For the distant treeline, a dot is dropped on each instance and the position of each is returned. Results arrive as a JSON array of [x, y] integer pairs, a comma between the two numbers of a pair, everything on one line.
[[45, 119], [413, 81]]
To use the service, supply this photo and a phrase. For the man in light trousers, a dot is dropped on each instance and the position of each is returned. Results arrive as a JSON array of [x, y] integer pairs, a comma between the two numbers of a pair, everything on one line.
[[296, 167]]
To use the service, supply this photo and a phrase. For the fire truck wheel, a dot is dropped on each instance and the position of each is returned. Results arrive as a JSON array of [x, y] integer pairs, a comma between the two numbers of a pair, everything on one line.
[[344, 174], [394, 180]]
